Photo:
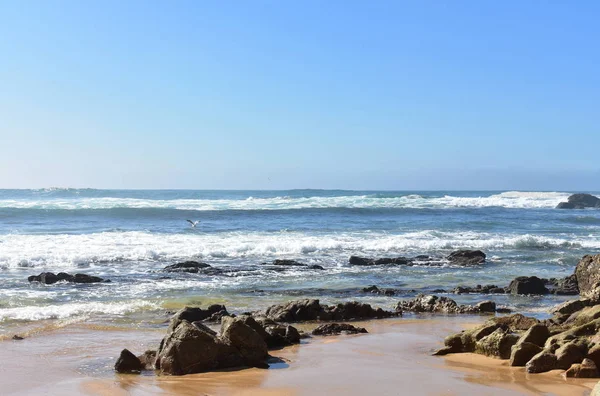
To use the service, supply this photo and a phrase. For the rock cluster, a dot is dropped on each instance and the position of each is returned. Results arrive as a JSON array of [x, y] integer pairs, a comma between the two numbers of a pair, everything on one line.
[[192, 267], [243, 341], [434, 304], [50, 278], [567, 341], [312, 309], [580, 201]]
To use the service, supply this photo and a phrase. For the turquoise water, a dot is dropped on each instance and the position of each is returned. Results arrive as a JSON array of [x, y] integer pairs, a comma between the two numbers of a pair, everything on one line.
[[129, 236]]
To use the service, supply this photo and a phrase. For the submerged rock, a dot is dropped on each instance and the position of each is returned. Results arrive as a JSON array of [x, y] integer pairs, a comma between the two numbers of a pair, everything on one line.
[[192, 267], [50, 278], [375, 290], [363, 261], [580, 201], [587, 369], [466, 257], [338, 328]]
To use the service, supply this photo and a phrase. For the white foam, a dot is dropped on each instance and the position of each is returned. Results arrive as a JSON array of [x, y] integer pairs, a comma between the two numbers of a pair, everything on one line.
[[63, 311], [68, 251], [511, 199]]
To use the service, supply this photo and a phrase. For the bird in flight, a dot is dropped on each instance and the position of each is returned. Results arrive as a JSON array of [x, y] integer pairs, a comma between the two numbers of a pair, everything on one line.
[[193, 223]]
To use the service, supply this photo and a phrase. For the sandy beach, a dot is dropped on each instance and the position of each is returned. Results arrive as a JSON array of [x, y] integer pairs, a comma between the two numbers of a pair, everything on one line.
[[395, 358]]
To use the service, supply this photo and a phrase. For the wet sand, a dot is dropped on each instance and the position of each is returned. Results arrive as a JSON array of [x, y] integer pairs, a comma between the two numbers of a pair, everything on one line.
[[395, 358]]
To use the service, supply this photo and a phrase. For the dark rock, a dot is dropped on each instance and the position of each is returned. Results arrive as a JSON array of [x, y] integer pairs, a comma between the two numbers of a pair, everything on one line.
[[375, 290], [188, 266], [566, 286], [128, 363], [363, 261], [192, 314], [587, 273], [248, 342], [310, 310], [315, 267], [50, 278], [147, 360], [522, 352], [542, 362], [288, 263], [594, 354], [466, 257], [17, 337], [580, 201], [587, 369], [527, 285], [479, 289], [338, 328], [297, 311], [498, 344], [189, 348], [486, 307]]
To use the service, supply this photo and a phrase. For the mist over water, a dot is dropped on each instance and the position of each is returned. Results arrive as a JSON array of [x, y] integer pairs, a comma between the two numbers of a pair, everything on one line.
[[129, 236]]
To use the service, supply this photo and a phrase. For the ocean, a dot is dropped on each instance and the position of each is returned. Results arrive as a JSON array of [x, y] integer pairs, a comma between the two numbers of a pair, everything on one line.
[[129, 236]]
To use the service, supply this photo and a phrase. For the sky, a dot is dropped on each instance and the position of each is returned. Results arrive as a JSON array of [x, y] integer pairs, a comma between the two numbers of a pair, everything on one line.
[[398, 95]]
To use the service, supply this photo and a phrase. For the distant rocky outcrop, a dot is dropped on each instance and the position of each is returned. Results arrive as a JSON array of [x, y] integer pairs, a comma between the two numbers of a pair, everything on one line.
[[580, 201], [213, 313], [50, 278]]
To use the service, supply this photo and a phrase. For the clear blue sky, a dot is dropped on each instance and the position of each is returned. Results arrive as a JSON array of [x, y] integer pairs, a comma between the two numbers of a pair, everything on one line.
[[297, 94]]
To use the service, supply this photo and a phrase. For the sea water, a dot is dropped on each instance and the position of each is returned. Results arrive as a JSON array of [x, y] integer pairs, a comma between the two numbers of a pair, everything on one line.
[[129, 236]]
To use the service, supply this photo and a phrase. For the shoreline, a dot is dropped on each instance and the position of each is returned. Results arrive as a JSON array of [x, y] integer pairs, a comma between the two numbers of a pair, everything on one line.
[[396, 354]]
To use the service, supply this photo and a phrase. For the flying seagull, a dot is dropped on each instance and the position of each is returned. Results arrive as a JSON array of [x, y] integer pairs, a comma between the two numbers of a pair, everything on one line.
[[193, 223]]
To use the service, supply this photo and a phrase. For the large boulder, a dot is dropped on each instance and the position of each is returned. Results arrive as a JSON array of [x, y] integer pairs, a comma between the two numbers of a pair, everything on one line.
[[580, 201], [588, 274], [245, 339], [537, 335], [522, 352], [497, 344], [570, 307], [187, 266], [466, 257], [542, 362], [193, 348], [465, 340], [50, 278], [527, 285], [515, 322]]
